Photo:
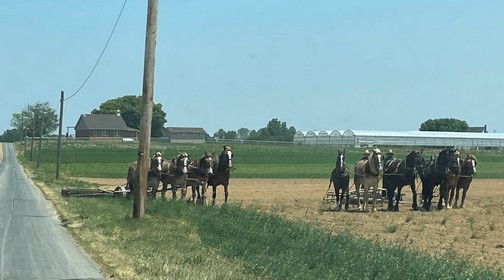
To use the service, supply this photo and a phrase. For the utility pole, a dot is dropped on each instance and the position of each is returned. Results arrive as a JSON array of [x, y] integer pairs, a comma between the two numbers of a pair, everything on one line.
[[40, 138], [140, 190], [58, 150]]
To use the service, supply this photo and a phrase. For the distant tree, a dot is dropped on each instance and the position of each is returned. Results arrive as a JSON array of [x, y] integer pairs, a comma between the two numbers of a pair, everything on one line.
[[444, 124], [11, 135], [130, 107], [32, 117], [231, 134], [221, 134], [243, 133], [275, 130]]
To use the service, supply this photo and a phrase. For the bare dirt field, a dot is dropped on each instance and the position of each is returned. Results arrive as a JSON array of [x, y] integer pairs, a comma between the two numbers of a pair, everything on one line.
[[474, 232]]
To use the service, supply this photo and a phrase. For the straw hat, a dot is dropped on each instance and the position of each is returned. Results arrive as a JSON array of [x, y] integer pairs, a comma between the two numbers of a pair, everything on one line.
[[366, 153], [390, 152]]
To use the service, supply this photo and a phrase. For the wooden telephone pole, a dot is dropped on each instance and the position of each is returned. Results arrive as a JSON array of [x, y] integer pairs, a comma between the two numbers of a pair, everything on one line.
[[140, 190]]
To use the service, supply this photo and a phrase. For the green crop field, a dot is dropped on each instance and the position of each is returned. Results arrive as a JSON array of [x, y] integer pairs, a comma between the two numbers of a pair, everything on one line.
[[251, 161]]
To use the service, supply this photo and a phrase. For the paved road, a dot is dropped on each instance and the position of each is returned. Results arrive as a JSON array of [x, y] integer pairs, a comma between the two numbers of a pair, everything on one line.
[[33, 244]]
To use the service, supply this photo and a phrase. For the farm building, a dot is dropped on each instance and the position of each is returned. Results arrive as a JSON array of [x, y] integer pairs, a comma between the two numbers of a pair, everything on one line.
[[185, 134], [362, 138], [104, 127]]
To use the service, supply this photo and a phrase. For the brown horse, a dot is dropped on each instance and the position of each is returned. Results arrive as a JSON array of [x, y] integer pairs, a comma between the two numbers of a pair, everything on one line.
[[222, 167], [175, 174], [468, 170], [449, 183], [153, 175], [367, 173], [197, 176]]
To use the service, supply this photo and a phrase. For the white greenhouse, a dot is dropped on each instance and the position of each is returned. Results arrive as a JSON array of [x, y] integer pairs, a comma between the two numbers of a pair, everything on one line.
[[363, 138]]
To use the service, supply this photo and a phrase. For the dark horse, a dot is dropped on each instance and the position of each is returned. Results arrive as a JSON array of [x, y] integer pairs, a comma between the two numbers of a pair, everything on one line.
[[433, 174], [340, 180], [222, 172], [400, 173], [197, 176], [468, 170], [153, 175]]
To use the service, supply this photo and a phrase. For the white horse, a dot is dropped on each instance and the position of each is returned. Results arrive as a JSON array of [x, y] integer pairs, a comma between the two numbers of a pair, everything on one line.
[[367, 173]]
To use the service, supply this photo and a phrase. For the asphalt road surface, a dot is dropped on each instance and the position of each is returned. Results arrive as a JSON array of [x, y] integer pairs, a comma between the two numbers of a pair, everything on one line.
[[33, 244]]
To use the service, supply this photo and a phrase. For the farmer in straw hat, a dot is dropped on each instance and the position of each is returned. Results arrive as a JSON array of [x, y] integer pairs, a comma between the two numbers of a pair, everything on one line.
[[389, 156], [365, 154]]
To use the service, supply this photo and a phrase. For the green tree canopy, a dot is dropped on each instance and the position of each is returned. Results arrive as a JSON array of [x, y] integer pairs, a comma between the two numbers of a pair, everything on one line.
[[275, 130], [243, 133], [444, 124], [221, 134], [30, 120], [11, 135], [130, 107]]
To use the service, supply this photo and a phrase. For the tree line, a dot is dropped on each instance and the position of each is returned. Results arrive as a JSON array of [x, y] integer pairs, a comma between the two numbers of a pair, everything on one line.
[[40, 119]]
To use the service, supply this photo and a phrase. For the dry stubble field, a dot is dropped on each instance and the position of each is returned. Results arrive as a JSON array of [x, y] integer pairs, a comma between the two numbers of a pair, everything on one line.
[[475, 231]]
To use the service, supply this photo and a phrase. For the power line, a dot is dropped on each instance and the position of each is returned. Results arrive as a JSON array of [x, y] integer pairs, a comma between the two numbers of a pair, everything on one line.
[[101, 54]]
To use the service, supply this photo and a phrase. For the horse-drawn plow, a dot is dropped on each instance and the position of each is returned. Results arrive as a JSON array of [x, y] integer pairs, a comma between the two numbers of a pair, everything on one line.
[[330, 196], [120, 191]]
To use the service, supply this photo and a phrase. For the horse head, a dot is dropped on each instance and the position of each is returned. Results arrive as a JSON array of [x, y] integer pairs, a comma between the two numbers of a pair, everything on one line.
[[181, 163], [448, 161], [469, 165], [375, 162], [156, 164], [414, 161], [340, 162], [205, 164], [225, 161]]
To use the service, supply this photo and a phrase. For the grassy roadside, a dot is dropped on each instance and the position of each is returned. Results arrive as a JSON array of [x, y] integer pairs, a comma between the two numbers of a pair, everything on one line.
[[179, 241]]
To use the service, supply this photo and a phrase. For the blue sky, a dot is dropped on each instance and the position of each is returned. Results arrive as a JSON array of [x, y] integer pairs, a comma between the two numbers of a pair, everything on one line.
[[325, 64]]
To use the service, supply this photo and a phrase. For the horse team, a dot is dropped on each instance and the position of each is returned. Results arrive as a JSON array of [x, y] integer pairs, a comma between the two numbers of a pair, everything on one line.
[[446, 170], [181, 173]]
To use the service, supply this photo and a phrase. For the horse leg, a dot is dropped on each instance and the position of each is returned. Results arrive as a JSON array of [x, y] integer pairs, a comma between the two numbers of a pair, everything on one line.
[[414, 206], [374, 194], [340, 194], [464, 192], [390, 197], [390, 193], [154, 184], [443, 195], [452, 193], [457, 192], [163, 190], [398, 198], [357, 193], [427, 190], [203, 193], [193, 195], [214, 194], [183, 190], [226, 192], [365, 197], [174, 187], [336, 198], [347, 197]]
